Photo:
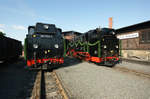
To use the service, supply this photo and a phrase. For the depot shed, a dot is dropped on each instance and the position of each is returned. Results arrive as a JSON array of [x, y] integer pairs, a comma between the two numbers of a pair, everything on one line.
[[135, 41], [70, 34]]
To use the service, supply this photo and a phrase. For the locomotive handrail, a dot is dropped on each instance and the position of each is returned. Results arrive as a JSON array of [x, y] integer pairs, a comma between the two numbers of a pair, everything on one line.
[[64, 47], [25, 48], [78, 42], [93, 44], [120, 47]]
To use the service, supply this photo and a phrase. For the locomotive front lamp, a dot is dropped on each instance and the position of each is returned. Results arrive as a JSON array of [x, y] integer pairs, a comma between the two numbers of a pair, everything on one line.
[[105, 46], [34, 35], [46, 27], [56, 46], [35, 46], [45, 52], [95, 51], [117, 46], [111, 51], [113, 33], [49, 51]]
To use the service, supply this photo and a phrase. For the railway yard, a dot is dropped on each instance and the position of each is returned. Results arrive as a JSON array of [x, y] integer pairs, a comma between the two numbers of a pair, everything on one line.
[[70, 52], [75, 79]]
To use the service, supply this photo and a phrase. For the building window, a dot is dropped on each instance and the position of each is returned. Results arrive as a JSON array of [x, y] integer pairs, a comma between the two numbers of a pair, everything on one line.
[[145, 37], [148, 36]]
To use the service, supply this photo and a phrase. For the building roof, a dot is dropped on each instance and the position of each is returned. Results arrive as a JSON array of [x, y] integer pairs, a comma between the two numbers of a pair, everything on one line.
[[135, 27]]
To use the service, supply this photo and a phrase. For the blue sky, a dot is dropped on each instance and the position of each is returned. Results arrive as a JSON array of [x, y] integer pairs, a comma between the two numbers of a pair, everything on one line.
[[78, 15]]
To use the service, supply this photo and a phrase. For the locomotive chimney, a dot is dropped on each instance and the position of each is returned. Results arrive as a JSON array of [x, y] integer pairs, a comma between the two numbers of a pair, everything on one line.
[[110, 22]]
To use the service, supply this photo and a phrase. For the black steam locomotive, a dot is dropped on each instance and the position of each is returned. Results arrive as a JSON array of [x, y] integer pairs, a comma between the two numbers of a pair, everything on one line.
[[10, 49], [43, 45], [99, 46]]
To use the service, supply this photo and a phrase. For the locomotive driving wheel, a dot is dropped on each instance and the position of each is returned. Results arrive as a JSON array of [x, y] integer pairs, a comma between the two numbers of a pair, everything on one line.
[[109, 63]]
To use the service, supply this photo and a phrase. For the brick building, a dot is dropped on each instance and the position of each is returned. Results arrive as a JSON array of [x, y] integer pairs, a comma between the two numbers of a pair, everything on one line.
[[70, 34], [135, 41]]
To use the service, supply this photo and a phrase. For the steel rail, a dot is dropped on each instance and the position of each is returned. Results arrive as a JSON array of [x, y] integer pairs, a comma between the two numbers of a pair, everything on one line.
[[137, 73]]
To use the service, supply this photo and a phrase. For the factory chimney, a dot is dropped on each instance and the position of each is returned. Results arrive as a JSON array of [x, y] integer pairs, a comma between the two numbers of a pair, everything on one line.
[[110, 22]]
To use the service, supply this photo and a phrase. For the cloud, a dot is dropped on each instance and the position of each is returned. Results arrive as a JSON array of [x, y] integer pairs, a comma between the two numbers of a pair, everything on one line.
[[2, 25], [45, 18], [18, 27], [20, 7], [1, 30]]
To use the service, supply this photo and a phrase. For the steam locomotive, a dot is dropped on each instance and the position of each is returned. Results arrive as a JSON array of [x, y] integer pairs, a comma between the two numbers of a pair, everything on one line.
[[100, 46], [43, 45]]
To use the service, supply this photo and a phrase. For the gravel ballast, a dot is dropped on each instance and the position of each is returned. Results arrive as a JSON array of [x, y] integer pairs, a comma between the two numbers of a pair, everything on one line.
[[16, 80], [135, 66], [89, 81]]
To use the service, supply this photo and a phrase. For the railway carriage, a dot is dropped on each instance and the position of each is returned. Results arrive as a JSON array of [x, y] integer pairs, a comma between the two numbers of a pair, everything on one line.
[[10, 49]]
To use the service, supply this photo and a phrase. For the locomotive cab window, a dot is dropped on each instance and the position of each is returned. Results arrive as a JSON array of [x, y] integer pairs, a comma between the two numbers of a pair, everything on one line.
[[31, 30]]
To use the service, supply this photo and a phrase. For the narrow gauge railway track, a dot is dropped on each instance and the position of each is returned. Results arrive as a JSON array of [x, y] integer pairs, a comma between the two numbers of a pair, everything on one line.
[[137, 73], [48, 86]]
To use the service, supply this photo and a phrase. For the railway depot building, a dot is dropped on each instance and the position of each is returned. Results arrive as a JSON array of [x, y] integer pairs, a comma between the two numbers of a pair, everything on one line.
[[135, 40], [70, 34]]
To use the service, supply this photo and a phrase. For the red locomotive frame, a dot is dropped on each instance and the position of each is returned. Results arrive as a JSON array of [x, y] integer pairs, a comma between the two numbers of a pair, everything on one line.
[[87, 57], [51, 60]]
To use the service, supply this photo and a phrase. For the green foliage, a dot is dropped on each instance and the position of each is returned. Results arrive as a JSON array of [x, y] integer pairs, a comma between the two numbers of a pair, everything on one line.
[[1, 33]]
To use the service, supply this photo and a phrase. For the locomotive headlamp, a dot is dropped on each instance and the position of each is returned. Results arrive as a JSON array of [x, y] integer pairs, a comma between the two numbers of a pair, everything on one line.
[[117, 46], [34, 35], [95, 52], [49, 51], [56, 46], [113, 32], [45, 52], [111, 51], [35, 46], [105, 46], [46, 27]]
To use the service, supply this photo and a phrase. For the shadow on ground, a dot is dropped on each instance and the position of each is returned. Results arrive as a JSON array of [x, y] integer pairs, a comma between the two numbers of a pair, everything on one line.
[[16, 81], [68, 61]]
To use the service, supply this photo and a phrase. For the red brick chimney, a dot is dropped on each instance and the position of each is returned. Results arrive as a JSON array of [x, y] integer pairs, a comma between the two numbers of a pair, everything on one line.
[[110, 22]]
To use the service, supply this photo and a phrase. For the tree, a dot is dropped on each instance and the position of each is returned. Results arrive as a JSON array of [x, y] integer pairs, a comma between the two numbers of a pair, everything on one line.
[[1, 33]]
